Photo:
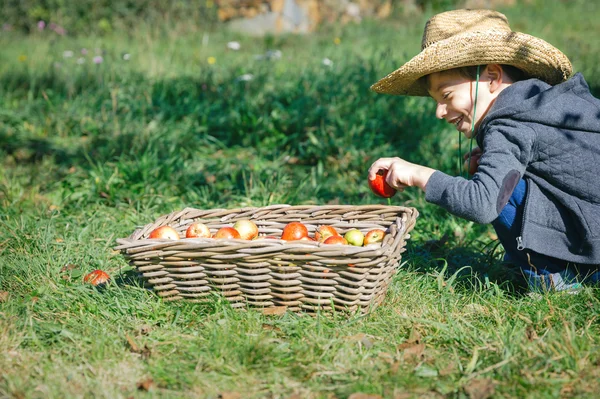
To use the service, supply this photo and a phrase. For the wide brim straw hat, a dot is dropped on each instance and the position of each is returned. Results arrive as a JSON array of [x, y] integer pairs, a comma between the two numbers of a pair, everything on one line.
[[462, 38]]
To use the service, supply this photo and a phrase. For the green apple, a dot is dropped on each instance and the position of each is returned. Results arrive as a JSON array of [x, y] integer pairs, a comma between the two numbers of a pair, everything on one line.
[[355, 237]]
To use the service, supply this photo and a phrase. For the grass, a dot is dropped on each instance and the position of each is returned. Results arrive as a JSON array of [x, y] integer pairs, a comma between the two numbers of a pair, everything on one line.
[[89, 152]]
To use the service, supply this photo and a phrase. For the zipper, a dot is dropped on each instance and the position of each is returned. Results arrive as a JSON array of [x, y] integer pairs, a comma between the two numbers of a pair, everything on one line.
[[520, 245]]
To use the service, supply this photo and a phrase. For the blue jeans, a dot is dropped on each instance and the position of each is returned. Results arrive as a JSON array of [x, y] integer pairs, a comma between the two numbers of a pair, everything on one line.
[[541, 272]]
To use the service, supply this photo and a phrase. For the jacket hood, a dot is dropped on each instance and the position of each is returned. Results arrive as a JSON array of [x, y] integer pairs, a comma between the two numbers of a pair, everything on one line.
[[568, 105]]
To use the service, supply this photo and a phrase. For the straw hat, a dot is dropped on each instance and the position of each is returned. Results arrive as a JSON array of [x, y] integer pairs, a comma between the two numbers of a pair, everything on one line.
[[461, 38]]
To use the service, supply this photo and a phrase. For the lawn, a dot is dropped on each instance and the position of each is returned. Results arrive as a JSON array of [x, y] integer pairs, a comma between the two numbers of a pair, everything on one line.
[[102, 134]]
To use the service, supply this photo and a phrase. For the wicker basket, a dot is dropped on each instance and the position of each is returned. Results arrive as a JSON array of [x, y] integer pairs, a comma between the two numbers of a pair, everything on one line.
[[300, 275]]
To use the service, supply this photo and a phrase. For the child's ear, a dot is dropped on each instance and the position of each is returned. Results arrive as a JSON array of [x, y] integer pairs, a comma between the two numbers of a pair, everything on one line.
[[495, 75]]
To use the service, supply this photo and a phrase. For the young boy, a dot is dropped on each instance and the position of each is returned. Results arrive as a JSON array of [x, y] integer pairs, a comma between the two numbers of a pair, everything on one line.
[[538, 135]]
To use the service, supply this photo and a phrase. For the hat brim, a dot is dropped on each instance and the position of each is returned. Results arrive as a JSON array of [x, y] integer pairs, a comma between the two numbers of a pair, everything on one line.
[[532, 55]]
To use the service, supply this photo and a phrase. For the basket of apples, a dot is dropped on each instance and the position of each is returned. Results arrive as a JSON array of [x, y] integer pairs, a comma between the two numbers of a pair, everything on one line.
[[303, 258]]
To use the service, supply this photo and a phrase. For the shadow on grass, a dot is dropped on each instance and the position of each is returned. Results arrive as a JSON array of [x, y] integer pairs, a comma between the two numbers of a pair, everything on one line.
[[469, 268]]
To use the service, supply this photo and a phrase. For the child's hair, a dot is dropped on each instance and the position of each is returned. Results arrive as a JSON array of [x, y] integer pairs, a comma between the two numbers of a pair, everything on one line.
[[470, 72], [514, 73]]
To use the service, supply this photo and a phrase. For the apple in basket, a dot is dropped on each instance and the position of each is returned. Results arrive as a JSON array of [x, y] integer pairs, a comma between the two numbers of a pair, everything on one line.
[[374, 236], [247, 229], [324, 232], [294, 231], [197, 230], [380, 187], [336, 240], [96, 277], [165, 233], [355, 237], [227, 233]]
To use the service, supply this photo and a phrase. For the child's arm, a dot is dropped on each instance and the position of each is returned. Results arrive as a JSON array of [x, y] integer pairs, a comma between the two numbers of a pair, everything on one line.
[[402, 174]]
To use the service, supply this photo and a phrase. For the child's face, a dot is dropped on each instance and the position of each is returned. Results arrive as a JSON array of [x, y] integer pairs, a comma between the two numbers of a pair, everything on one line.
[[455, 97]]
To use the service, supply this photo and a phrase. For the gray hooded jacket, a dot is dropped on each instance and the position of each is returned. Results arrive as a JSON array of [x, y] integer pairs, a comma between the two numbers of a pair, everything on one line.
[[550, 136]]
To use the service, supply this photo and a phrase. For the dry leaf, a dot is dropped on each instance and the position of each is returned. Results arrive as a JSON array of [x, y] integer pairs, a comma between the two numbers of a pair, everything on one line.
[[480, 388], [230, 395], [132, 345], [274, 311], [145, 329], [68, 266], [414, 352], [530, 333], [360, 395], [269, 327], [146, 384], [4, 296]]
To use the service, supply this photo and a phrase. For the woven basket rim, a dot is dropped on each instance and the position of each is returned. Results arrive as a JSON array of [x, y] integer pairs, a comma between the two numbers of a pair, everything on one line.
[[136, 239]]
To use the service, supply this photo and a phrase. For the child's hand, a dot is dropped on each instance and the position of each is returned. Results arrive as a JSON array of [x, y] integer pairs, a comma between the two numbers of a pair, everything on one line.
[[401, 174], [474, 163]]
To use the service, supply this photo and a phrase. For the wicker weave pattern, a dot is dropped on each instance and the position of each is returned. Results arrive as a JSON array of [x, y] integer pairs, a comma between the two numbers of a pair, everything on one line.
[[301, 275]]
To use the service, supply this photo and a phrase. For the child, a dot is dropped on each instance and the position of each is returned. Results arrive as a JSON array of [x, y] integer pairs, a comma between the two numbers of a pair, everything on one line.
[[538, 135]]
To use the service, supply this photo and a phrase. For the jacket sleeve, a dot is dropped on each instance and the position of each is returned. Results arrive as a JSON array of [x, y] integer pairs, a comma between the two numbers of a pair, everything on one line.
[[507, 150]]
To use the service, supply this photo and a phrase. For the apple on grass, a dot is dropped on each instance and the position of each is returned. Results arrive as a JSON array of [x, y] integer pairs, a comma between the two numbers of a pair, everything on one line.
[[355, 237], [197, 230], [96, 277], [165, 233], [247, 229]]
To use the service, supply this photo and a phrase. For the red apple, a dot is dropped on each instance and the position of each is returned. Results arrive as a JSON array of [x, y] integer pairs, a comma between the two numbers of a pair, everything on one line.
[[294, 231], [97, 277], [197, 230], [380, 187], [227, 233], [324, 232], [374, 236], [336, 240], [247, 229], [165, 233], [355, 237]]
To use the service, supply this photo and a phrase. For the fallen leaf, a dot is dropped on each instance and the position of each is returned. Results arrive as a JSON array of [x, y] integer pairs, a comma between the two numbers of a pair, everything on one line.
[[269, 327], [146, 384], [68, 266], [4, 296], [530, 333], [481, 388], [145, 352], [413, 348], [145, 329], [132, 345], [230, 395], [274, 311], [360, 395]]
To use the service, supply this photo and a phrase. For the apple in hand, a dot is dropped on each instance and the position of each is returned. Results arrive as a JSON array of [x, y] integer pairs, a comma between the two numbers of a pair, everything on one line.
[[324, 232], [247, 229], [337, 239], [294, 231], [227, 233], [165, 233], [197, 230], [380, 187], [374, 236], [97, 277], [355, 237]]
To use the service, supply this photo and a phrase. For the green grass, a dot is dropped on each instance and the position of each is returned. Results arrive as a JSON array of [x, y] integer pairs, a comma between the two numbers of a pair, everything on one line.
[[88, 152]]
